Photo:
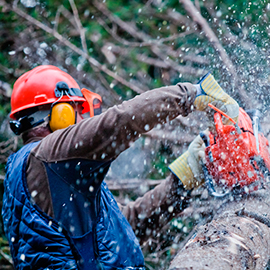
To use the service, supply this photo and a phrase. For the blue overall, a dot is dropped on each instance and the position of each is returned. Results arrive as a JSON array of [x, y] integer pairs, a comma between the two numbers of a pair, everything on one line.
[[104, 239]]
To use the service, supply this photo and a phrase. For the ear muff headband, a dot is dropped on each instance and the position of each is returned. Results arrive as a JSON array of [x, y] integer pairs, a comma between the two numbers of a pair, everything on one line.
[[62, 115]]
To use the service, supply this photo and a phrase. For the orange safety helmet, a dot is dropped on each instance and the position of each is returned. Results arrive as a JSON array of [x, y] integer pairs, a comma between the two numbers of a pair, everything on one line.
[[48, 84]]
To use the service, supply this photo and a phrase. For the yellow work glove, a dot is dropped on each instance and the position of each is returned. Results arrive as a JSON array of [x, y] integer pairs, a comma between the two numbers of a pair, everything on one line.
[[188, 166], [209, 91]]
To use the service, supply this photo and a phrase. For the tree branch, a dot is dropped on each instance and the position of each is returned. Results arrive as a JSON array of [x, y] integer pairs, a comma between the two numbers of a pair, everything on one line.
[[92, 61], [133, 31], [137, 34], [147, 43], [198, 18], [79, 25]]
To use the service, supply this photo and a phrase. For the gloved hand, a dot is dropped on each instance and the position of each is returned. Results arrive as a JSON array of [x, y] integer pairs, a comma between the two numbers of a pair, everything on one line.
[[188, 167], [209, 91]]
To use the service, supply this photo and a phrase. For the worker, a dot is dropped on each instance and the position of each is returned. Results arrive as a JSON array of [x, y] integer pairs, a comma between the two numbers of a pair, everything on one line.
[[58, 213]]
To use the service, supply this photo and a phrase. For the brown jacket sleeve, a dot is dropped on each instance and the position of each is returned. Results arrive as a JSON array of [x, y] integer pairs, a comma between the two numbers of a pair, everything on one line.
[[149, 213], [107, 135]]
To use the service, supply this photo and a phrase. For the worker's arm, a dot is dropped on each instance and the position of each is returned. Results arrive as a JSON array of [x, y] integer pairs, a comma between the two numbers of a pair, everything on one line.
[[105, 136], [148, 214]]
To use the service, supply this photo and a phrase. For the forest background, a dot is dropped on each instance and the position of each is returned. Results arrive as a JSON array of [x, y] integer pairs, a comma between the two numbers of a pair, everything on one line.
[[121, 48]]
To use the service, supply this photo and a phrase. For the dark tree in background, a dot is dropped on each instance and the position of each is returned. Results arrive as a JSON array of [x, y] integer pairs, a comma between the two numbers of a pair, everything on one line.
[[122, 48]]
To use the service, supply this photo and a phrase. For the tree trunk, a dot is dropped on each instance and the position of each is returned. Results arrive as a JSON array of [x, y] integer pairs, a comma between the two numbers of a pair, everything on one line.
[[238, 236]]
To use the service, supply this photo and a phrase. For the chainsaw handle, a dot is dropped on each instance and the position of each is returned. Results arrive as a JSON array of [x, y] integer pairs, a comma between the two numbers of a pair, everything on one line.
[[205, 139], [210, 185], [207, 176]]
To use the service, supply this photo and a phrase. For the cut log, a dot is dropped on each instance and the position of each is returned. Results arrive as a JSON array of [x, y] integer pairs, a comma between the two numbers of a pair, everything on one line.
[[237, 237]]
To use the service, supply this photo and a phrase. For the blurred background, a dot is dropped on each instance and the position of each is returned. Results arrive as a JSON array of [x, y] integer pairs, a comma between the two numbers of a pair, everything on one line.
[[119, 49]]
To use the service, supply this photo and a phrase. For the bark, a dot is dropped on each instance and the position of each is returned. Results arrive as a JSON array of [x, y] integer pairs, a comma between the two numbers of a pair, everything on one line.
[[237, 237]]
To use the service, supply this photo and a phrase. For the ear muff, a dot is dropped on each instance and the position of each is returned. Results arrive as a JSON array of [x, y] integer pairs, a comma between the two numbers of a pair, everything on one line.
[[62, 115]]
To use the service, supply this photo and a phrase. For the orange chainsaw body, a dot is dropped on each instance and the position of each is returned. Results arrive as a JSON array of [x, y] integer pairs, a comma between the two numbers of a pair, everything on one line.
[[234, 156]]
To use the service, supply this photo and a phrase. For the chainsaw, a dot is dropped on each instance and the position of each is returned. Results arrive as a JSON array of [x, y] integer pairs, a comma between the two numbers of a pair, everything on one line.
[[237, 157]]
